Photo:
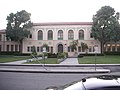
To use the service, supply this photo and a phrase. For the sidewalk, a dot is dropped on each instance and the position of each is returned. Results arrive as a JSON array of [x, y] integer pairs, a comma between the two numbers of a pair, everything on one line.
[[69, 65], [70, 61]]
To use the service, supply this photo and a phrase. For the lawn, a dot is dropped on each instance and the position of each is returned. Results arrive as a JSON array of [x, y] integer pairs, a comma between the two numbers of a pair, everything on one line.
[[107, 59], [11, 58], [46, 61]]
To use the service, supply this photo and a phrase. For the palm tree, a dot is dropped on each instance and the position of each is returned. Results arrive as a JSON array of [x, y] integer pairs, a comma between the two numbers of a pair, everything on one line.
[[74, 45], [46, 46], [84, 46]]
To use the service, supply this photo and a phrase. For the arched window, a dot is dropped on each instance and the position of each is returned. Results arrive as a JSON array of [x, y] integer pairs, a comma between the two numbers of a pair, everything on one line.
[[40, 35], [81, 35], [70, 35], [50, 35], [60, 35]]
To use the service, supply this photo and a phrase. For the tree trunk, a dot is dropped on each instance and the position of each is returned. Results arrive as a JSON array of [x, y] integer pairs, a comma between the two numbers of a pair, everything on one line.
[[102, 47], [21, 47]]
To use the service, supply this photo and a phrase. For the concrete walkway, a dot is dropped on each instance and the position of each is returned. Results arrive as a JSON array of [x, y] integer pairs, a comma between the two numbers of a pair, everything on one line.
[[70, 61], [22, 61]]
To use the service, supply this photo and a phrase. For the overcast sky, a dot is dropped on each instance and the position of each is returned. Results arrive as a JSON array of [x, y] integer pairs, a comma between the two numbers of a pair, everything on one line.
[[55, 10]]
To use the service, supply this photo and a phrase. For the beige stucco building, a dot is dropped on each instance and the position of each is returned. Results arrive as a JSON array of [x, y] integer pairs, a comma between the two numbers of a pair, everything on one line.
[[57, 36]]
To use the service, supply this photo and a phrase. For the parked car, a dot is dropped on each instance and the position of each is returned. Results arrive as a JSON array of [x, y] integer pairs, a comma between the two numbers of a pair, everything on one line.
[[102, 82]]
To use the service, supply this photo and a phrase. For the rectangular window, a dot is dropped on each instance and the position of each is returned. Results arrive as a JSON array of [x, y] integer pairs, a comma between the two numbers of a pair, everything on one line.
[[83, 49], [30, 36], [0, 37], [38, 49], [41, 49], [7, 48], [91, 35], [118, 48], [108, 48], [28, 49], [12, 47], [68, 49], [79, 49], [51, 49], [72, 50], [16, 47], [90, 49], [0, 48], [113, 48], [48, 49]]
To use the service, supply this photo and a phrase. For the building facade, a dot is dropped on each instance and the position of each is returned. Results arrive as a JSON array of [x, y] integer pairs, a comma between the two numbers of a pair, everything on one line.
[[58, 36]]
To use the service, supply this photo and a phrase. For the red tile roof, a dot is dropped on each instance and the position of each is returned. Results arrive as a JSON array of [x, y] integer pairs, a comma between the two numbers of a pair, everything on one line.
[[61, 23]]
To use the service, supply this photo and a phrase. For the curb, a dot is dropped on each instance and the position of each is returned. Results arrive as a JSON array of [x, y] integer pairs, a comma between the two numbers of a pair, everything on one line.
[[55, 70], [58, 65]]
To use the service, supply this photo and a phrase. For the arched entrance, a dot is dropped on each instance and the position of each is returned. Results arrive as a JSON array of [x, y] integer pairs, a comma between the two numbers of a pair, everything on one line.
[[60, 48]]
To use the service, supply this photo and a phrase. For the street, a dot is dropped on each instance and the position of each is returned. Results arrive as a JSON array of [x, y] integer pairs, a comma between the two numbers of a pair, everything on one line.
[[36, 81]]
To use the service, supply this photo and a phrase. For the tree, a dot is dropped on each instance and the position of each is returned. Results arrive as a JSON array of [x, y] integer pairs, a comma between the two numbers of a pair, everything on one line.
[[18, 26], [84, 46], [46, 46], [105, 26], [33, 49], [74, 45]]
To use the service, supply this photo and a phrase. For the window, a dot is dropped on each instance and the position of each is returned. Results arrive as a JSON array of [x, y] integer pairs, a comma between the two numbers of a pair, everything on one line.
[[0, 48], [8, 47], [30, 36], [60, 35], [48, 49], [81, 35], [40, 35], [50, 35], [11, 47], [79, 49], [68, 49], [90, 49], [118, 47], [91, 35], [0, 37], [16, 47], [28, 49], [70, 35], [51, 49], [38, 49]]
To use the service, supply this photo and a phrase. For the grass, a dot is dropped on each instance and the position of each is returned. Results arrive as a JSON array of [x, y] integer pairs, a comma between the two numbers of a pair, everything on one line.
[[46, 61], [11, 58], [108, 59]]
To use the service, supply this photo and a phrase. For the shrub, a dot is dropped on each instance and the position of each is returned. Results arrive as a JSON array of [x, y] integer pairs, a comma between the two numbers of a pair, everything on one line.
[[10, 53], [52, 55], [112, 53], [66, 54], [60, 55]]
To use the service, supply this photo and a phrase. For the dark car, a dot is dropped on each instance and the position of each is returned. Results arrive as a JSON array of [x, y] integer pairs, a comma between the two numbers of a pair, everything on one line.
[[102, 82]]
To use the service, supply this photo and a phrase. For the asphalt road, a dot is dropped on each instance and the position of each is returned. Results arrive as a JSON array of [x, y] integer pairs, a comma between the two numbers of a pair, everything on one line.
[[36, 81]]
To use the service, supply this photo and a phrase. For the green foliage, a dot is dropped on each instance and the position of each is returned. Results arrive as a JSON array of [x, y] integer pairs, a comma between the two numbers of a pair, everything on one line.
[[46, 46], [18, 25], [52, 55], [65, 54], [33, 49], [74, 44], [106, 26], [84, 45], [60, 55], [45, 54]]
